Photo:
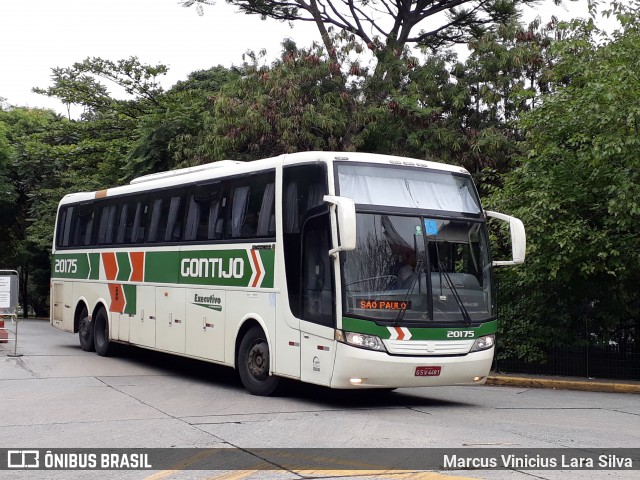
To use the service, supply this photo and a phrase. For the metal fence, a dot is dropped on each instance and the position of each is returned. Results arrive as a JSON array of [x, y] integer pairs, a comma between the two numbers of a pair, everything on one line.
[[611, 353], [611, 361]]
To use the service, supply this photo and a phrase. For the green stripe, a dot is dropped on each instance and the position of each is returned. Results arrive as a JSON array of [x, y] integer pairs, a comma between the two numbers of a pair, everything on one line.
[[70, 265], [268, 260], [94, 264], [161, 267], [417, 333], [131, 298], [124, 266], [230, 268]]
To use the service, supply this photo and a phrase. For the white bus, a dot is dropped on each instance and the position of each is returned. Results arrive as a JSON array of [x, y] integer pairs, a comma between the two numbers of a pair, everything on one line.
[[348, 270]]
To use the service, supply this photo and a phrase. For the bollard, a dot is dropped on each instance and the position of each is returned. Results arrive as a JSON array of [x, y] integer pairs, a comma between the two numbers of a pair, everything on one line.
[[15, 353]]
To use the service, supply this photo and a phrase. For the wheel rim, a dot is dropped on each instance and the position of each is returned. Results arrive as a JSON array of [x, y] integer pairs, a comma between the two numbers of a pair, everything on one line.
[[258, 360]]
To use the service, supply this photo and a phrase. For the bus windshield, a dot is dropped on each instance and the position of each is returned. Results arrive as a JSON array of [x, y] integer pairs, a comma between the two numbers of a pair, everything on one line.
[[426, 262], [412, 268], [409, 188]]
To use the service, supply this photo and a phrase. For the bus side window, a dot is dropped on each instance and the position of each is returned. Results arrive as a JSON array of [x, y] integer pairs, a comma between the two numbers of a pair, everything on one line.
[[157, 215], [138, 229], [173, 232], [106, 225], [252, 210], [204, 213], [64, 226], [266, 217], [165, 224], [242, 223], [125, 224], [214, 221], [81, 226]]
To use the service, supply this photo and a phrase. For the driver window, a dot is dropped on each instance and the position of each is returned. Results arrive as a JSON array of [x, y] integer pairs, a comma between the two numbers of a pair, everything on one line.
[[317, 280]]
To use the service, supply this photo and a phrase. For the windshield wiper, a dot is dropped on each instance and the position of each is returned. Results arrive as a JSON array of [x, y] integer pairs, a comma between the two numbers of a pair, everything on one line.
[[456, 295], [416, 279], [454, 290]]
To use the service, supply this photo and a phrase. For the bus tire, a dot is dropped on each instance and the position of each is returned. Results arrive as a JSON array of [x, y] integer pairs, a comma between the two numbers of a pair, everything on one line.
[[101, 333], [253, 363], [85, 331]]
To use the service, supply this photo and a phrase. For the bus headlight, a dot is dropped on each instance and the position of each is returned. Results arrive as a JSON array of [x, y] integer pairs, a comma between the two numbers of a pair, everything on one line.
[[483, 343], [360, 340]]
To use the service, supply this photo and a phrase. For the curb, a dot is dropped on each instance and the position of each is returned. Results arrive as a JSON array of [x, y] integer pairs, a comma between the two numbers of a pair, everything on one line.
[[586, 385]]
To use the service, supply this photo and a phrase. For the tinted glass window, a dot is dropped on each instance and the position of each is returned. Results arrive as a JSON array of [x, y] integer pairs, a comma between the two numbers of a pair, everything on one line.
[[204, 213], [251, 211]]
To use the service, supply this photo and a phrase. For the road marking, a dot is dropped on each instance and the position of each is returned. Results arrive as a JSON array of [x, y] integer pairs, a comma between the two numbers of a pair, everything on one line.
[[181, 465], [374, 474], [261, 467], [237, 475]]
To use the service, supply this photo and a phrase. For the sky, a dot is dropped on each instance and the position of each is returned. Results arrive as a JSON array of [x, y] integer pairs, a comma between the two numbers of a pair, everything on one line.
[[38, 35]]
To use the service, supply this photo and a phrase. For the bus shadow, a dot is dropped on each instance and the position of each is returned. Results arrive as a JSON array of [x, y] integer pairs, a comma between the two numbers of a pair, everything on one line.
[[218, 375], [366, 398], [168, 364]]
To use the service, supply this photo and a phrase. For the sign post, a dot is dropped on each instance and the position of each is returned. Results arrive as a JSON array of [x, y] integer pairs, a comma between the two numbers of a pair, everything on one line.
[[9, 305]]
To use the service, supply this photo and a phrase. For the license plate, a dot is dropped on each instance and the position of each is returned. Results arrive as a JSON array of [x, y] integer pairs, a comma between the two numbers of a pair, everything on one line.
[[428, 371]]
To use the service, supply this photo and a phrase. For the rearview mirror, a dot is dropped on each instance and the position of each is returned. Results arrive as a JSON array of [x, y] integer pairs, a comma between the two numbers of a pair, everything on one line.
[[518, 239], [346, 209]]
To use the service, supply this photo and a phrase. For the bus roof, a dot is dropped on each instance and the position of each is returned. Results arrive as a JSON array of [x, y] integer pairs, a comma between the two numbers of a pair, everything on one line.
[[225, 168]]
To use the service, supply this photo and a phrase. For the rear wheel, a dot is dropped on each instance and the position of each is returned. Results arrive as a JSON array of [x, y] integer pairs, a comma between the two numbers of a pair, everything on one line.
[[85, 331], [101, 334], [253, 363]]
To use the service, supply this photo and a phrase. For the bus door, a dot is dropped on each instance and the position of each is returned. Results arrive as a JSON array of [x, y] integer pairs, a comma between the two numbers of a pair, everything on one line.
[[317, 301]]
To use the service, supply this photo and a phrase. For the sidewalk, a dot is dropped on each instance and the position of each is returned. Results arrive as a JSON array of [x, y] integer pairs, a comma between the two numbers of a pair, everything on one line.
[[563, 383]]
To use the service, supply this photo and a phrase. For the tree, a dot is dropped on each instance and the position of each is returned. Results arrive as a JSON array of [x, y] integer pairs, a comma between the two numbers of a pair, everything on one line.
[[175, 135], [80, 85], [577, 189], [387, 30], [293, 104], [51, 156]]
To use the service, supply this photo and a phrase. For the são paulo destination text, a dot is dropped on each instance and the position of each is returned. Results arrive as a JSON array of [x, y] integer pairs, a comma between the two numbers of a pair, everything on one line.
[[609, 461]]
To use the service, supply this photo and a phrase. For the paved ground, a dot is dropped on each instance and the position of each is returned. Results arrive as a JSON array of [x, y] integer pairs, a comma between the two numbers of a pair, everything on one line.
[[57, 394]]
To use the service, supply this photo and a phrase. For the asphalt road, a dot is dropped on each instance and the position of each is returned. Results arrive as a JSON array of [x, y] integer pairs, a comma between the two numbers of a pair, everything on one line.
[[57, 396]]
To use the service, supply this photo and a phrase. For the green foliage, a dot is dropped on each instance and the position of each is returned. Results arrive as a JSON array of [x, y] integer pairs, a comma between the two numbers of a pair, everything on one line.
[[295, 104], [80, 85], [577, 190], [175, 135]]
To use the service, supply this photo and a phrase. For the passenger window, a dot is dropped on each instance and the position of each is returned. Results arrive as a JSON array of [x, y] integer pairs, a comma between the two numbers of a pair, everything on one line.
[[173, 232], [204, 213], [139, 222], [165, 224], [81, 226], [106, 226], [252, 210], [125, 224], [64, 227]]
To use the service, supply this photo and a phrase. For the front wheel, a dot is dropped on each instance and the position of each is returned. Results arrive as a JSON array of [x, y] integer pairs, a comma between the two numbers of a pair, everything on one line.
[[253, 363], [101, 334]]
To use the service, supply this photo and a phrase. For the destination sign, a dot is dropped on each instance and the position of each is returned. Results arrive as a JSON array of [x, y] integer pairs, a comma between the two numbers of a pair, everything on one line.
[[384, 305]]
